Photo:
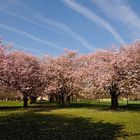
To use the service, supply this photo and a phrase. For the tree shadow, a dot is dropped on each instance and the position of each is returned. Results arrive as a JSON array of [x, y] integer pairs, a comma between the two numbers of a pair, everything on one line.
[[30, 108], [35, 126], [130, 107], [100, 106], [105, 106], [46, 106], [40, 105], [3, 108]]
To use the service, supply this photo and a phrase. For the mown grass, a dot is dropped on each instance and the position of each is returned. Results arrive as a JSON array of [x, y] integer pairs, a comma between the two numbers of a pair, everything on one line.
[[80, 121], [11, 103]]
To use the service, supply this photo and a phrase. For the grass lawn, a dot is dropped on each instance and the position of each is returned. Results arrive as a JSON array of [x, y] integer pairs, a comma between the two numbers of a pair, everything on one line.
[[81, 121]]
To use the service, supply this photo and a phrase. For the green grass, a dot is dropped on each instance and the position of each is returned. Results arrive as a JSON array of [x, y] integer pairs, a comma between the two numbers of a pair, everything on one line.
[[11, 103], [80, 121]]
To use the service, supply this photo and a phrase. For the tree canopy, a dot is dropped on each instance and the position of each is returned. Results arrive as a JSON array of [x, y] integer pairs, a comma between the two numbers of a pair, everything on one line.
[[114, 71]]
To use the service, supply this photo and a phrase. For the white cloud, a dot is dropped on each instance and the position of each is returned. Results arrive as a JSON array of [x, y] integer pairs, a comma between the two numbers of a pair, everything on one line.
[[28, 20], [120, 10], [29, 36], [35, 51], [26, 49], [59, 27], [93, 17], [65, 28]]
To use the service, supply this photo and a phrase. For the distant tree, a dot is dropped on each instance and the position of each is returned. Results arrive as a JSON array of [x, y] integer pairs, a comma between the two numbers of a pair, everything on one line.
[[8, 94]]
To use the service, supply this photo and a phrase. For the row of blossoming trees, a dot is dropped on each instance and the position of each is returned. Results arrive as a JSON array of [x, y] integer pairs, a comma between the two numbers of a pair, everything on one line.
[[115, 72]]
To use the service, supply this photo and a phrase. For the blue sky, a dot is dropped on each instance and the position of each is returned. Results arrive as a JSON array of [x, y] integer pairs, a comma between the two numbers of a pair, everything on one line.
[[50, 26]]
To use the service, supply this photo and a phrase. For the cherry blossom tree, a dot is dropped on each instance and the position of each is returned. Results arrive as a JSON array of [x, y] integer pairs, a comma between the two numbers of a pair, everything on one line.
[[129, 60], [113, 71], [116, 71], [59, 76], [21, 72]]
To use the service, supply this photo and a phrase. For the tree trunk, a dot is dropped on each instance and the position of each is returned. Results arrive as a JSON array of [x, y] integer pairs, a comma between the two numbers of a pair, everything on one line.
[[59, 99], [56, 99], [72, 99], [51, 99], [25, 101], [127, 100], [114, 100], [33, 99], [114, 95], [62, 99], [68, 99], [41, 99]]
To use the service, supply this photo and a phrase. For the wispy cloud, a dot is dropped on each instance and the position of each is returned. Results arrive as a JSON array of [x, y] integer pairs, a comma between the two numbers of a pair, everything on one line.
[[29, 36], [120, 10], [20, 47], [59, 27], [67, 29], [36, 51], [93, 17], [30, 50], [28, 20]]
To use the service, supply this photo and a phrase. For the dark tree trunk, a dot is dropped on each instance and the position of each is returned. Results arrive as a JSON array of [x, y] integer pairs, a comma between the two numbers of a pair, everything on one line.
[[72, 98], [68, 99], [41, 99], [33, 99], [51, 99], [127, 100], [114, 95], [25, 101], [62, 99], [59, 99], [114, 101], [56, 98]]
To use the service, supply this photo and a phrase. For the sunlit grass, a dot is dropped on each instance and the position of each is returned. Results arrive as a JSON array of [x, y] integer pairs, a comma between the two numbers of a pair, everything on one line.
[[80, 121], [11, 103]]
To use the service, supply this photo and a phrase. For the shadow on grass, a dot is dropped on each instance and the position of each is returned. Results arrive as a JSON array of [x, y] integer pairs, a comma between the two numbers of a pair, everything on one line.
[[131, 107], [35, 126], [39, 106], [3, 108], [105, 106], [90, 105], [46, 106]]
